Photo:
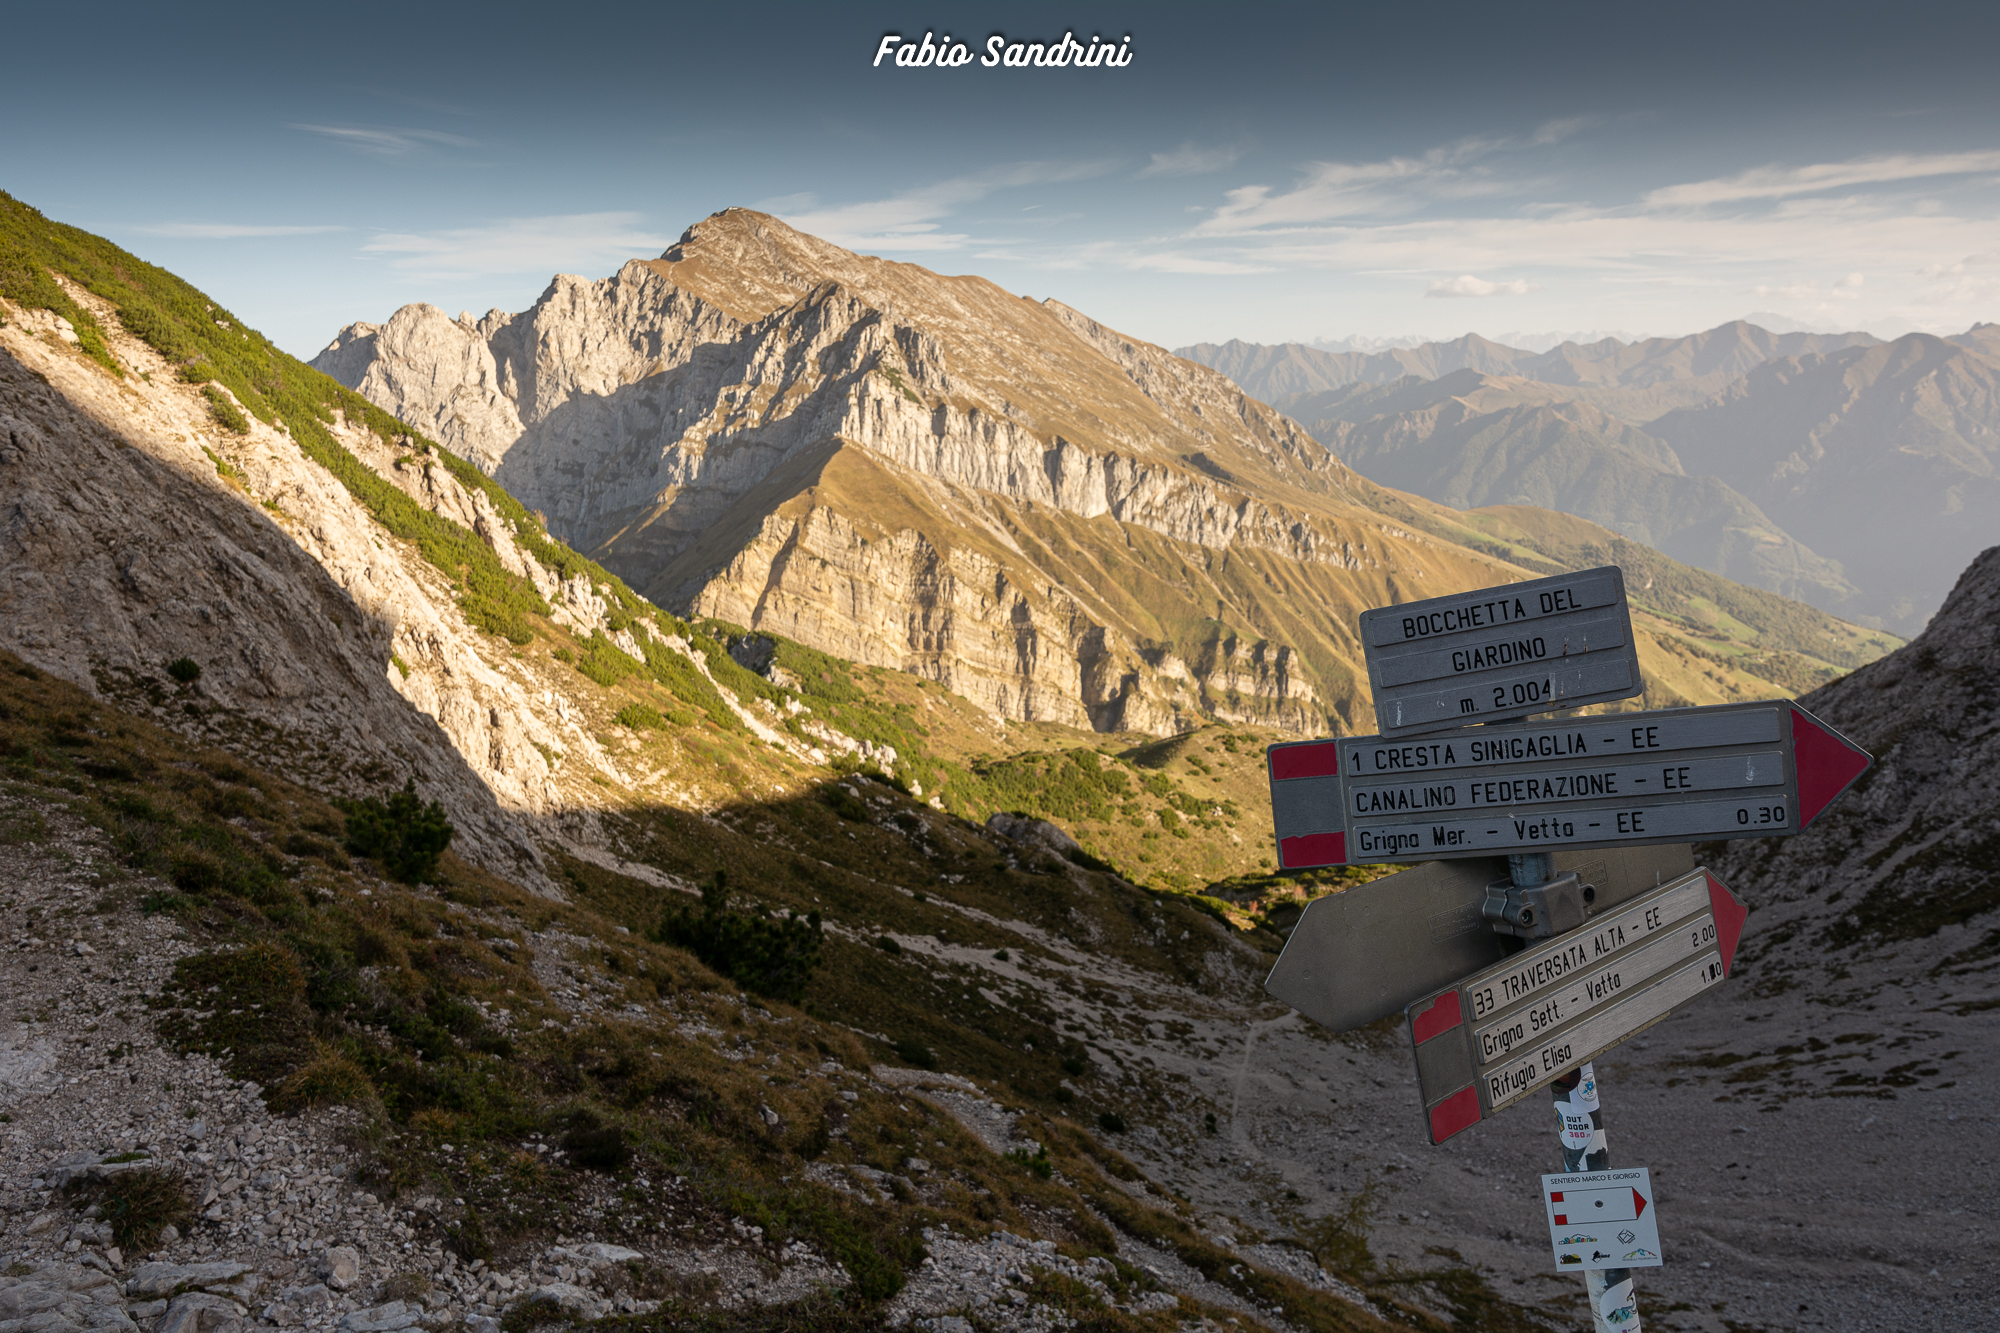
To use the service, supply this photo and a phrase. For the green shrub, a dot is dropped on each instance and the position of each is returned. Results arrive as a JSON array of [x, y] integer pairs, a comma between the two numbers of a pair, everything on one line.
[[226, 414], [760, 952], [597, 1149], [916, 1054], [605, 662], [26, 283], [640, 717], [1111, 1122], [139, 1204], [329, 1079], [845, 803], [1039, 1163], [185, 670], [402, 834], [887, 944], [1340, 1240]]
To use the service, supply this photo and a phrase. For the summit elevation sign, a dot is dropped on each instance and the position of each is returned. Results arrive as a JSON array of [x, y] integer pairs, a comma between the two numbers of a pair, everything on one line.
[[1501, 653]]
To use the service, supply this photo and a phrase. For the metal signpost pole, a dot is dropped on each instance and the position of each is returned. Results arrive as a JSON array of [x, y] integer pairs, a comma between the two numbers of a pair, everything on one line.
[[1575, 962], [1614, 1308], [1580, 1120]]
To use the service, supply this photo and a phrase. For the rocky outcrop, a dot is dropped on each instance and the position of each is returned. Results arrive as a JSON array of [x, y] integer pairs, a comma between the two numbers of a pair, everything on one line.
[[135, 532], [768, 429], [1915, 848]]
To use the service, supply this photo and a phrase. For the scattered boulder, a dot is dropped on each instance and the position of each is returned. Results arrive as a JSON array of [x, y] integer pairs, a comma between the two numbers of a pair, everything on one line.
[[382, 1318], [163, 1279], [340, 1267], [563, 1299], [1033, 834], [596, 1254], [200, 1312], [62, 1298]]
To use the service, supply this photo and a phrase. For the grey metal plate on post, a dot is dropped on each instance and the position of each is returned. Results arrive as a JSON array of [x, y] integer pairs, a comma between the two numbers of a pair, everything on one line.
[[1369, 951], [1487, 1041], [1500, 653], [1753, 770]]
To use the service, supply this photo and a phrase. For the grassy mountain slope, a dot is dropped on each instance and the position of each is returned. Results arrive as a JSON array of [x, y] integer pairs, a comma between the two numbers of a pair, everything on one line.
[[1706, 628], [472, 1019]]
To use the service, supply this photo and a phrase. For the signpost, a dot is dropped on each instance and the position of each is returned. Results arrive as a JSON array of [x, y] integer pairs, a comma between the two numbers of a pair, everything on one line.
[[1367, 952], [1601, 925], [1487, 1041], [1673, 775], [1499, 653], [1603, 1219]]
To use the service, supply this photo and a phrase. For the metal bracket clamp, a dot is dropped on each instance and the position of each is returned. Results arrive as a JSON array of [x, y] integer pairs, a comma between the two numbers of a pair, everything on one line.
[[1536, 913]]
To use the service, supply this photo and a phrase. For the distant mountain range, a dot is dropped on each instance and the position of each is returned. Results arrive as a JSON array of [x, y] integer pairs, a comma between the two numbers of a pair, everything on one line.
[[1855, 474]]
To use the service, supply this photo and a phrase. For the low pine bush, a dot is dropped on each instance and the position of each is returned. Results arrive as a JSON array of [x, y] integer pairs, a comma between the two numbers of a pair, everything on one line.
[[402, 834], [759, 951]]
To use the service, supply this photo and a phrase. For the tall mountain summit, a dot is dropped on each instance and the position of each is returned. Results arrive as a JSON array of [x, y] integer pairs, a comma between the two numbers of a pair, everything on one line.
[[928, 473]]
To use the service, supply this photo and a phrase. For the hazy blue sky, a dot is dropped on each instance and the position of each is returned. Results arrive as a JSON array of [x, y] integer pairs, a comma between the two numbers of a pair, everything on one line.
[[1268, 173]]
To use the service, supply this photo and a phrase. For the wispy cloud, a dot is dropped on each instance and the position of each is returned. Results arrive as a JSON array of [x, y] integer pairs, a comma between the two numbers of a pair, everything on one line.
[[1964, 265], [386, 142], [1779, 182], [571, 242], [225, 231], [1190, 159], [1467, 285], [1332, 191], [1142, 258], [912, 220], [1555, 131]]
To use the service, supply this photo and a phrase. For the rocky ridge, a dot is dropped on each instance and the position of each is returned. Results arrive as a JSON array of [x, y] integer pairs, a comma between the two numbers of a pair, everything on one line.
[[915, 471], [1917, 849], [138, 531]]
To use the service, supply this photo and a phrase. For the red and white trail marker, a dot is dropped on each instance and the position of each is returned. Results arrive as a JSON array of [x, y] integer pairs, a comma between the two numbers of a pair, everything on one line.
[[1603, 1219]]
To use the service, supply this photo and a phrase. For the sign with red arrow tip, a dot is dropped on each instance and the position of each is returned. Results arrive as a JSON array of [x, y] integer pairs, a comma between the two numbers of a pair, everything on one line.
[[1603, 1219], [1674, 775], [1517, 1026]]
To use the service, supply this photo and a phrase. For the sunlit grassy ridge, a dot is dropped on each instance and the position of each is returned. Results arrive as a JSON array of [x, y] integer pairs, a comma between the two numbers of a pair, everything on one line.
[[210, 346]]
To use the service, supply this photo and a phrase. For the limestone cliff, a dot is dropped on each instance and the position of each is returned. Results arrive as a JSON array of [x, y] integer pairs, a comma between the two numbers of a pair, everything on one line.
[[924, 472], [136, 530]]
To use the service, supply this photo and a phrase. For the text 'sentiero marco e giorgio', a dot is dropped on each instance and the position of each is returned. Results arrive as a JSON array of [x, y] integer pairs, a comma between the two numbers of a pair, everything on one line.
[[944, 53]]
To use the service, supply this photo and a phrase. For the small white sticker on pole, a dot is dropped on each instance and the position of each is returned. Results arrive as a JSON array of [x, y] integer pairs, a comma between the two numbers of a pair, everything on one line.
[[1602, 1219], [1576, 1128], [1584, 1094]]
